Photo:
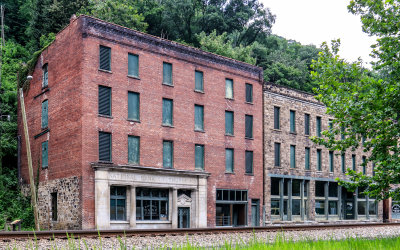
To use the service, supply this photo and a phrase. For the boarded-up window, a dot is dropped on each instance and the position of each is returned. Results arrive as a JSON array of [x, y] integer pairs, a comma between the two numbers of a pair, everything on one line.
[[364, 160], [319, 160], [331, 161], [343, 156], [198, 117], [249, 93], [277, 123], [199, 81], [168, 154], [167, 73], [104, 146], [249, 126], [167, 112], [353, 161], [134, 150], [249, 162], [277, 158], [133, 106], [229, 88], [318, 126], [229, 160], [292, 156], [306, 124], [45, 75], [105, 58], [133, 65], [45, 114], [45, 154], [199, 156], [104, 100], [229, 122], [292, 121], [307, 158]]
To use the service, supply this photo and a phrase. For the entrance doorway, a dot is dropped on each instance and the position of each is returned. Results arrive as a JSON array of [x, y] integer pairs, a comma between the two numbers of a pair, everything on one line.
[[348, 205], [183, 217], [255, 213]]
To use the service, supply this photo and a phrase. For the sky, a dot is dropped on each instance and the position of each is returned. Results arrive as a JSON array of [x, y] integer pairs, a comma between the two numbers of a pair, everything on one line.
[[316, 21]]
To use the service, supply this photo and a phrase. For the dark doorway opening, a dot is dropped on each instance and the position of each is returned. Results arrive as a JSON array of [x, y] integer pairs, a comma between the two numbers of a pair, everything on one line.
[[183, 217]]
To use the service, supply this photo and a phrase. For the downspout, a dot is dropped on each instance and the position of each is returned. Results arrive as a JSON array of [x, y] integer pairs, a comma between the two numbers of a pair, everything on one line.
[[263, 148]]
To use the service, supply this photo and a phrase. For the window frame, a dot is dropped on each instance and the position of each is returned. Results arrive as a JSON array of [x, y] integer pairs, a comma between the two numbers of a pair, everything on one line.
[[292, 156], [307, 158], [137, 68], [165, 64], [109, 58], [232, 123], [164, 119], [307, 124], [292, 122], [196, 74], [109, 100], [45, 79], [249, 169], [318, 126], [319, 159], [130, 150], [196, 166], [249, 122], [45, 154], [277, 154], [198, 108], [249, 93], [131, 118], [45, 114], [226, 88], [331, 161], [171, 154], [232, 163], [140, 198], [110, 146], [277, 117], [117, 197]]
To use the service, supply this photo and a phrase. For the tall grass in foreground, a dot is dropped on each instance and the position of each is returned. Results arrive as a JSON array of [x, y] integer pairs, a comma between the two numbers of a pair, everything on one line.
[[280, 242]]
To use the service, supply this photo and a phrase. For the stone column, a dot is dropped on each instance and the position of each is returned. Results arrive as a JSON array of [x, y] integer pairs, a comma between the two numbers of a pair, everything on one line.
[[340, 205], [281, 190], [326, 189], [102, 200], [174, 215], [202, 205], [355, 206], [289, 210], [132, 220], [302, 203]]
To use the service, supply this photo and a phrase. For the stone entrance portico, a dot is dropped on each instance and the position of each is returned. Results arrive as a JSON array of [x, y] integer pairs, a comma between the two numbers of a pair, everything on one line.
[[135, 178]]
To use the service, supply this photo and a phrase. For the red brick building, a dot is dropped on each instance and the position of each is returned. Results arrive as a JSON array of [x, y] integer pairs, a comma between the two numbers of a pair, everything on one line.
[[129, 130]]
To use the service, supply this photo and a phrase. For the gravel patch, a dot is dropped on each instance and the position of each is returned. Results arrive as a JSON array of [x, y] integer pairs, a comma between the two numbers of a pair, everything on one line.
[[203, 240]]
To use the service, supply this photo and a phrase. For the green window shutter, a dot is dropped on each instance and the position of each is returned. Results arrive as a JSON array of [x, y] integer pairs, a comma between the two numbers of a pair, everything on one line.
[[45, 75], [331, 162], [229, 161], [133, 65], [307, 159], [306, 124], [104, 146], [318, 126], [343, 157], [248, 126], [249, 93], [45, 154], [45, 114], [133, 106], [198, 117], [229, 88], [292, 156], [249, 162], [364, 160], [167, 73], [105, 58], [134, 150], [277, 154], [104, 100], [167, 112], [319, 160], [277, 118], [353, 159], [199, 81], [229, 122], [168, 154], [199, 156], [292, 121]]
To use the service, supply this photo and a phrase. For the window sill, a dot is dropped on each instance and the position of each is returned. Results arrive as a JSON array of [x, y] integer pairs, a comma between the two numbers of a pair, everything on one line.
[[119, 222], [167, 126], [134, 77], [45, 167], [230, 173], [199, 169], [276, 130], [293, 133], [249, 103], [45, 87], [249, 138], [133, 120], [306, 135], [199, 91], [167, 84], [230, 99], [105, 162], [105, 116], [248, 174], [229, 135], [105, 71], [153, 222], [200, 131]]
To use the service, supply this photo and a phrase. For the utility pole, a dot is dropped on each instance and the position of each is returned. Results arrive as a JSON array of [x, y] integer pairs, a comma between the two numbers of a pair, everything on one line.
[[29, 157]]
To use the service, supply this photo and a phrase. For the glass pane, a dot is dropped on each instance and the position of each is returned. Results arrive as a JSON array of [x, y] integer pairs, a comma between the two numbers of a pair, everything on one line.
[[285, 187], [133, 149], [113, 209], [361, 191], [319, 160], [333, 209], [167, 112], [353, 161], [285, 206], [307, 158], [133, 65], [320, 207], [226, 195], [320, 188], [139, 210], [277, 154], [167, 154], [199, 80], [292, 121], [133, 106], [307, 124], [296, 187], [229, 122], [167, 73], [164, 210], [219, 195], [229, 88], [45, 154], [274, 207], [146, 210], [229, 160], [238, 196], [155, 210], [198, 117], [45, 114], [275, 186], [120, 209], [276, 118], [319, 126], [343, 158], [296, 207], [249, 126], [372, 208], [292, 156], [249, 162], [199, 156], [249, 92], [362, 205], [333, 189], [331, 163], [164, 193]]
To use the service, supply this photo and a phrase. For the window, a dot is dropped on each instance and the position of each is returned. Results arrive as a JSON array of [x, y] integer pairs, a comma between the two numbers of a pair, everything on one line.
[[45, 82], [292, 156], [104, 100], [104, 146], [105, 58], [231, 195], [307, 158], [54, 211], [227, 202], [152, 204], [319, 160], [318, 126], [343, 136], [167, 73], [277, 154], [229, 160], [167, 115], [306, 124], [168, 154], [229, 122], [133, 106], [229, 88], [45, 114], [292, 121], [331, 161], [134, 149], [353, 162], [277, 124], [364, 160], [133, 65], [199, 156], [249, 93], [330, 125], [45, 154], [343, 156], [199, 81], [199, 117], [117, 203], [249, 162], [248, 126]]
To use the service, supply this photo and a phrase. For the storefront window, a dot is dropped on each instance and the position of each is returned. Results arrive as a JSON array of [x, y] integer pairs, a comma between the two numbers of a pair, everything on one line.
[[117, 203], [152, 204], [320, 207]]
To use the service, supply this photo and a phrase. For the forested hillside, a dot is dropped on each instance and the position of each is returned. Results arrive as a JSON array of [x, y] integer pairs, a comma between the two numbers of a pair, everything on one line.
[[233, 28]]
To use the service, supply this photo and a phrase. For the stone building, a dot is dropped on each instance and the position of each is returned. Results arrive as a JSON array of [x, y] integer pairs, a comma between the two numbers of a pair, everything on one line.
[[300, 175], [129, 130]]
